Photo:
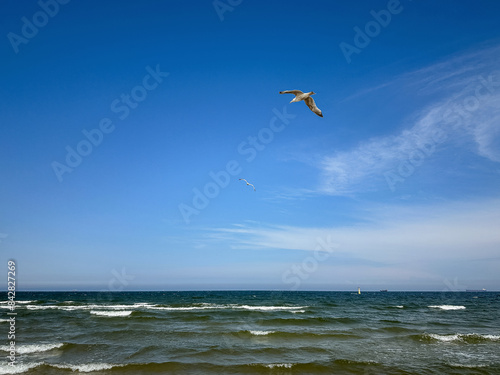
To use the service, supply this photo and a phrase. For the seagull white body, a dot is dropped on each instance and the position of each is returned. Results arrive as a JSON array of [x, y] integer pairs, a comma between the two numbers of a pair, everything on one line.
[[306, 97], [248, 183]]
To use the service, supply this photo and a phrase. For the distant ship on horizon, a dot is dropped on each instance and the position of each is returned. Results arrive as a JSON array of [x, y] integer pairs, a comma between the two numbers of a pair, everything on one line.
[[383, 290]]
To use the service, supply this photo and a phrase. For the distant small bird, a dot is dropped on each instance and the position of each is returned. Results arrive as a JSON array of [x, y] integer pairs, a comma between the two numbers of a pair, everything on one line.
[[299, 95], [248, 183]]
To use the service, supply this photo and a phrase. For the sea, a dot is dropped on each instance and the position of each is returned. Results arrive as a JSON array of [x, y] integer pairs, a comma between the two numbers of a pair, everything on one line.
[[251, 332]]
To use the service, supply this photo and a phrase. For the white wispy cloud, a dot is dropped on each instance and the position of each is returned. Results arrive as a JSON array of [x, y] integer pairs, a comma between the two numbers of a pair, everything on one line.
[[464, 113], [389, 234]]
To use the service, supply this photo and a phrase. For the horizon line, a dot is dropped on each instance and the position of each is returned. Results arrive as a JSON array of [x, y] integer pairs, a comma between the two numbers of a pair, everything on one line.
[[258, 290]]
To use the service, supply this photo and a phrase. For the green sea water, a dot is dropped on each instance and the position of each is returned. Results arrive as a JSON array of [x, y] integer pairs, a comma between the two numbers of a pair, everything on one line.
[[253, 332]]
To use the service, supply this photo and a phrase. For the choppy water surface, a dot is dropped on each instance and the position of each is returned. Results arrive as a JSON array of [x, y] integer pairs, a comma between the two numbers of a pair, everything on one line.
[[254, 333]]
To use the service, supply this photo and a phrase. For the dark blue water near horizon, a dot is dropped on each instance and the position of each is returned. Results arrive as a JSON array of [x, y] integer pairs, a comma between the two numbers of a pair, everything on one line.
[[253, 332]]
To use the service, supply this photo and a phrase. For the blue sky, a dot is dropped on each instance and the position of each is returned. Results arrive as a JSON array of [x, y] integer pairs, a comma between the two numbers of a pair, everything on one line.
[[125, 127]]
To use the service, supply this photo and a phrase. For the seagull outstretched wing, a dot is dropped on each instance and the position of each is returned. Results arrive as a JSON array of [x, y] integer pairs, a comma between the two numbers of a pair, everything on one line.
[[294, 92], [312, 106], [299, 95], [248, 183]]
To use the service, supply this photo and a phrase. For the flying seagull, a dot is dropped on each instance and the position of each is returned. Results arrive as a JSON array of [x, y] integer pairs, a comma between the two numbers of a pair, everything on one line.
[[248, 183], [299, 95]]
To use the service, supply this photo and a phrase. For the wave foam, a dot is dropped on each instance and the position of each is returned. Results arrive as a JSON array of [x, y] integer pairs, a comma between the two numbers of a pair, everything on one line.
[[149, 306], [34, 348], [466, 337], [89, 307], [17, 302], [285, 365], [468, 366], [19, 368], [209, 306], [261, 333], [181, 308], [268, 308], [43, 307], [110, 313], [492, 337], [90, 367], [447, 307]]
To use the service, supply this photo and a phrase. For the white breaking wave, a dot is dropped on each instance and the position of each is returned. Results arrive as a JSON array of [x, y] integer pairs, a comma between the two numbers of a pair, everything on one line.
[[261, 333], [43, 307], [185, 308], [492, 337], [285, 365], [464, 365], [143, 304], [268, 308], [231, 306], [17, 302], [33, 348], [90, 367], [109, 307], [19, 368], [149, 306], [447, 307], [462, 336], [209, 306], [110, 313], [444, 338], [89, 307]]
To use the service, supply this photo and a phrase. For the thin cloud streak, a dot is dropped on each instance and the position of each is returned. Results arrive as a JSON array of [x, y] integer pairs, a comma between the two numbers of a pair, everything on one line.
[[458, 231], [466, 117]]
